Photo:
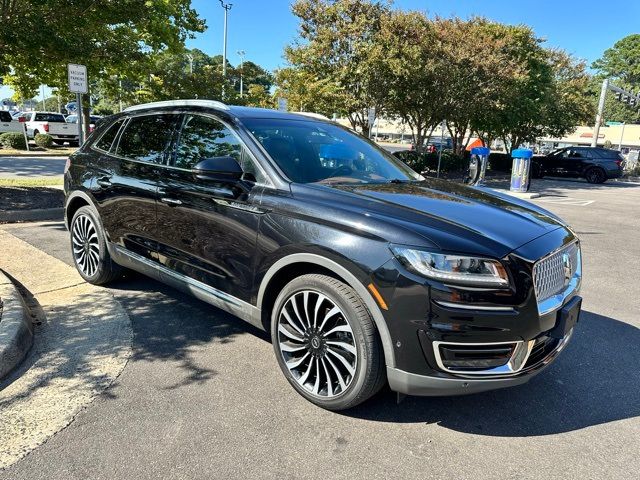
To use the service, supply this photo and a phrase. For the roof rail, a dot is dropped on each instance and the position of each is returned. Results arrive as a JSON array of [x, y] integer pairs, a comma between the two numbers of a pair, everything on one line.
[[179, 103]]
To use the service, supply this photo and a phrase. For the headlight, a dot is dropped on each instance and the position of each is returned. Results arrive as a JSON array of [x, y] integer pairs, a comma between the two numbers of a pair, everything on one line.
[[453, 269]]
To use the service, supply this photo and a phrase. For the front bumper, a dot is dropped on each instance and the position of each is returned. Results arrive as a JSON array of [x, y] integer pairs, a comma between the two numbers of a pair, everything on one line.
[[437, 385]]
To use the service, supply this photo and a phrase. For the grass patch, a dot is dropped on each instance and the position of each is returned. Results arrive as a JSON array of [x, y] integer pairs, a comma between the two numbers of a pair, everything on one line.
[[30, 182], [38, 152]]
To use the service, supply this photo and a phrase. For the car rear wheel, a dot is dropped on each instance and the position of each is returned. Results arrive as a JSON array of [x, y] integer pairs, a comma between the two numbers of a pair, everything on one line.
[[326, 342], [89, 248], [595, 175]]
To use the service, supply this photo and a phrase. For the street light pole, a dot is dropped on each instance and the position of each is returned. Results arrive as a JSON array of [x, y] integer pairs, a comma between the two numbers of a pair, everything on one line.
[[241, 55], [227, 7]]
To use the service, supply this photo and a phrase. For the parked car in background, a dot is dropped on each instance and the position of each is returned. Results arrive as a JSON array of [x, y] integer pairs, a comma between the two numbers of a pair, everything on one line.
[[363, 271], [16, 114], [51, 123], [8, 123], [596, 165], [94, 119]]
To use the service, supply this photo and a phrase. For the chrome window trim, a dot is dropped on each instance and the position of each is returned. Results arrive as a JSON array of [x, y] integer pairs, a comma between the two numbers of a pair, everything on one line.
[[516, 363], [556, 301]]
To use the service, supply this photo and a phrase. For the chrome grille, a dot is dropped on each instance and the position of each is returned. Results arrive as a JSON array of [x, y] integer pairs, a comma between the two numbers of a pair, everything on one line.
[[551, 276]]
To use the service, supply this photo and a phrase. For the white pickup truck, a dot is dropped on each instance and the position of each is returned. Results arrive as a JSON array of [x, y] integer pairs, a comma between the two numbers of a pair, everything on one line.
[[53, 124], [8, 123]]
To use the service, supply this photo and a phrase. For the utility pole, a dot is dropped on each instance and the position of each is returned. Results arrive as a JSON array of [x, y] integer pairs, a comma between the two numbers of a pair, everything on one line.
[[241, 55], [603, 95], [43, 104]]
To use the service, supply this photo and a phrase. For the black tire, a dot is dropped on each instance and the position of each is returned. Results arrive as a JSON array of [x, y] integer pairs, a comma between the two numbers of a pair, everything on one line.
[[369, 372], [595, 175], [90, 254]]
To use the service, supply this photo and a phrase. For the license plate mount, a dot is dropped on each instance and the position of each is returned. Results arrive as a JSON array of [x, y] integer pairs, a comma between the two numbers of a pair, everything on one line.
[[567, 318]]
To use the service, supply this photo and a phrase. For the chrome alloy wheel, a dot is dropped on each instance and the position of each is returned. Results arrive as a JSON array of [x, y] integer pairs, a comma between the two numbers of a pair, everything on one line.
[[86, 250], [317, 344]]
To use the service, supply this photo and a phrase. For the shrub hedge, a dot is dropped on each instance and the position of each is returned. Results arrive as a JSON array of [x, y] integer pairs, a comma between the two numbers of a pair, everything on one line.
[[43, 140], [13, 140]]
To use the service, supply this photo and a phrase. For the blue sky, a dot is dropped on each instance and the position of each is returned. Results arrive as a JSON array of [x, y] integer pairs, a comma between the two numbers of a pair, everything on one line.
[[263, 27]]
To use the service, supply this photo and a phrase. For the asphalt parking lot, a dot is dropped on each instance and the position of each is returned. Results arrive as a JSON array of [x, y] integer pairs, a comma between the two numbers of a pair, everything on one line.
[[202, 396]]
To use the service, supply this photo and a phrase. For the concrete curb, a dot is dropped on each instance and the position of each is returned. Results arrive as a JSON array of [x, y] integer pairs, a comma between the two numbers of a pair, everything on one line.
[[16, 331], [521, 195], [11, 216]]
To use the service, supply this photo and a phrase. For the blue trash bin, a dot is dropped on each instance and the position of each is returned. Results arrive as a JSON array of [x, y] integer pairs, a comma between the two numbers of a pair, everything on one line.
[[520, 170], [478, 165]]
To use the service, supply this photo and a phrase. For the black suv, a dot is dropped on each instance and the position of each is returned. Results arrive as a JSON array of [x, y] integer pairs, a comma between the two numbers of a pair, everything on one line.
[[362, 271], [596, 165]]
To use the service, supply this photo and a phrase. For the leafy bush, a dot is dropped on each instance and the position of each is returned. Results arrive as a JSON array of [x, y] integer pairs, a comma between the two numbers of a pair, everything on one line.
[[422, 162], [43, 140], [13, 140]]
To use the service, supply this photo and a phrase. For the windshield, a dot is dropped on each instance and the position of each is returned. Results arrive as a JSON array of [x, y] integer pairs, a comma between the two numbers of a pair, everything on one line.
[[319, 152]]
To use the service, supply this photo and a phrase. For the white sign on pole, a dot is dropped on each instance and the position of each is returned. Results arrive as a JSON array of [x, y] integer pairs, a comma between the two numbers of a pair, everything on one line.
[[371, 116], [282, 104], [77, 75]]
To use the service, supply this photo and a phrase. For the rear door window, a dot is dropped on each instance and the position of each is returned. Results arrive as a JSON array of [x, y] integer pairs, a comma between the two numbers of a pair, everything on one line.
[[146, 138], [106, 140], [5, 116]]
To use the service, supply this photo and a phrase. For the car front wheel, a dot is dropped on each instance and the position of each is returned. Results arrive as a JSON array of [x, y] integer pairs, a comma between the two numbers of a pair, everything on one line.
[[326, 342], [89, 249]]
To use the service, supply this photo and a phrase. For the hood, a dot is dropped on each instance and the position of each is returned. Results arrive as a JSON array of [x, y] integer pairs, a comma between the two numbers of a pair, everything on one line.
[[452, 216]]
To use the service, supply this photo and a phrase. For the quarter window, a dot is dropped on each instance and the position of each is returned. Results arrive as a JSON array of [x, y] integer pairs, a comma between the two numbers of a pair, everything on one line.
[[5, 117], [109, 136], [204, 137], [146, 138]]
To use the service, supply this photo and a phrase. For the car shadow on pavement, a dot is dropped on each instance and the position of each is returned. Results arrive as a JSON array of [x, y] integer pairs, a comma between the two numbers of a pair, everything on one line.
[[596, 380], [169, 325]]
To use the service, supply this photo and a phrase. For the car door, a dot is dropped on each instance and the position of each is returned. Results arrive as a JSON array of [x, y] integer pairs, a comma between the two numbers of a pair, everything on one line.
[[576, 162], [126, 181], [207, 230]]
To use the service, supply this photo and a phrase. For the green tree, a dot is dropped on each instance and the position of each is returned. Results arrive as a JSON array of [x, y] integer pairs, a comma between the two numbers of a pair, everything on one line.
[[306, 92], [407, 56], [621, 64], [336, 38], [117, 37]]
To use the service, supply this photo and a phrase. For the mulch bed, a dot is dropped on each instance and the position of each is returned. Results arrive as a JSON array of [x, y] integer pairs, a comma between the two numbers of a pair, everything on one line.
[[30, 198]]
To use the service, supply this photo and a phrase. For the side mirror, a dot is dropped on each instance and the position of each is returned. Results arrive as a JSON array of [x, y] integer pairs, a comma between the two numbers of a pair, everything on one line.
[[218, 169]]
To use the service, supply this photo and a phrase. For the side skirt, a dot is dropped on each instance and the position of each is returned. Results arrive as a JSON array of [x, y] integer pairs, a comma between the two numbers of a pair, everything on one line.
[[202, 291]]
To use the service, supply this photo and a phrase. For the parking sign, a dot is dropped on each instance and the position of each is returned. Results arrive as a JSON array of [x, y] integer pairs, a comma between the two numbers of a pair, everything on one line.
[[77, 78]]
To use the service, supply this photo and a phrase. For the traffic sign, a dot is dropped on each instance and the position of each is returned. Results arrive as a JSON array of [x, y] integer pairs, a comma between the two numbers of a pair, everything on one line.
[[77, 75]]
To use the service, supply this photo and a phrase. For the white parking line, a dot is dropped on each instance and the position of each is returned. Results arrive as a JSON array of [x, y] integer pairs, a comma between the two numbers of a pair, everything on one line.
[[566, 201]]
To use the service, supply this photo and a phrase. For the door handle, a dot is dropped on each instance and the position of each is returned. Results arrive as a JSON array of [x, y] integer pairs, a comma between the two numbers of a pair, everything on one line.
[[104, 182], [171, 201]]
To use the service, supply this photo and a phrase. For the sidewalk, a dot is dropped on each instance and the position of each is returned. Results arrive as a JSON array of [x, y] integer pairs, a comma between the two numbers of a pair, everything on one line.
[[82, 341]]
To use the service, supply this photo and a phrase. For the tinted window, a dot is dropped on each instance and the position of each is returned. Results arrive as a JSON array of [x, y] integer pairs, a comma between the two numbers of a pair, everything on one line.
[[109, 136], [49, 117], [146, 138], [310, 151], [204, 137], [5, 117], [606, 153]]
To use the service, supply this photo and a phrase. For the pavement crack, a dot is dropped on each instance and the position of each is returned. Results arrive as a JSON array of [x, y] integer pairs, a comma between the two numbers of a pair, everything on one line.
[[59, 289]]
